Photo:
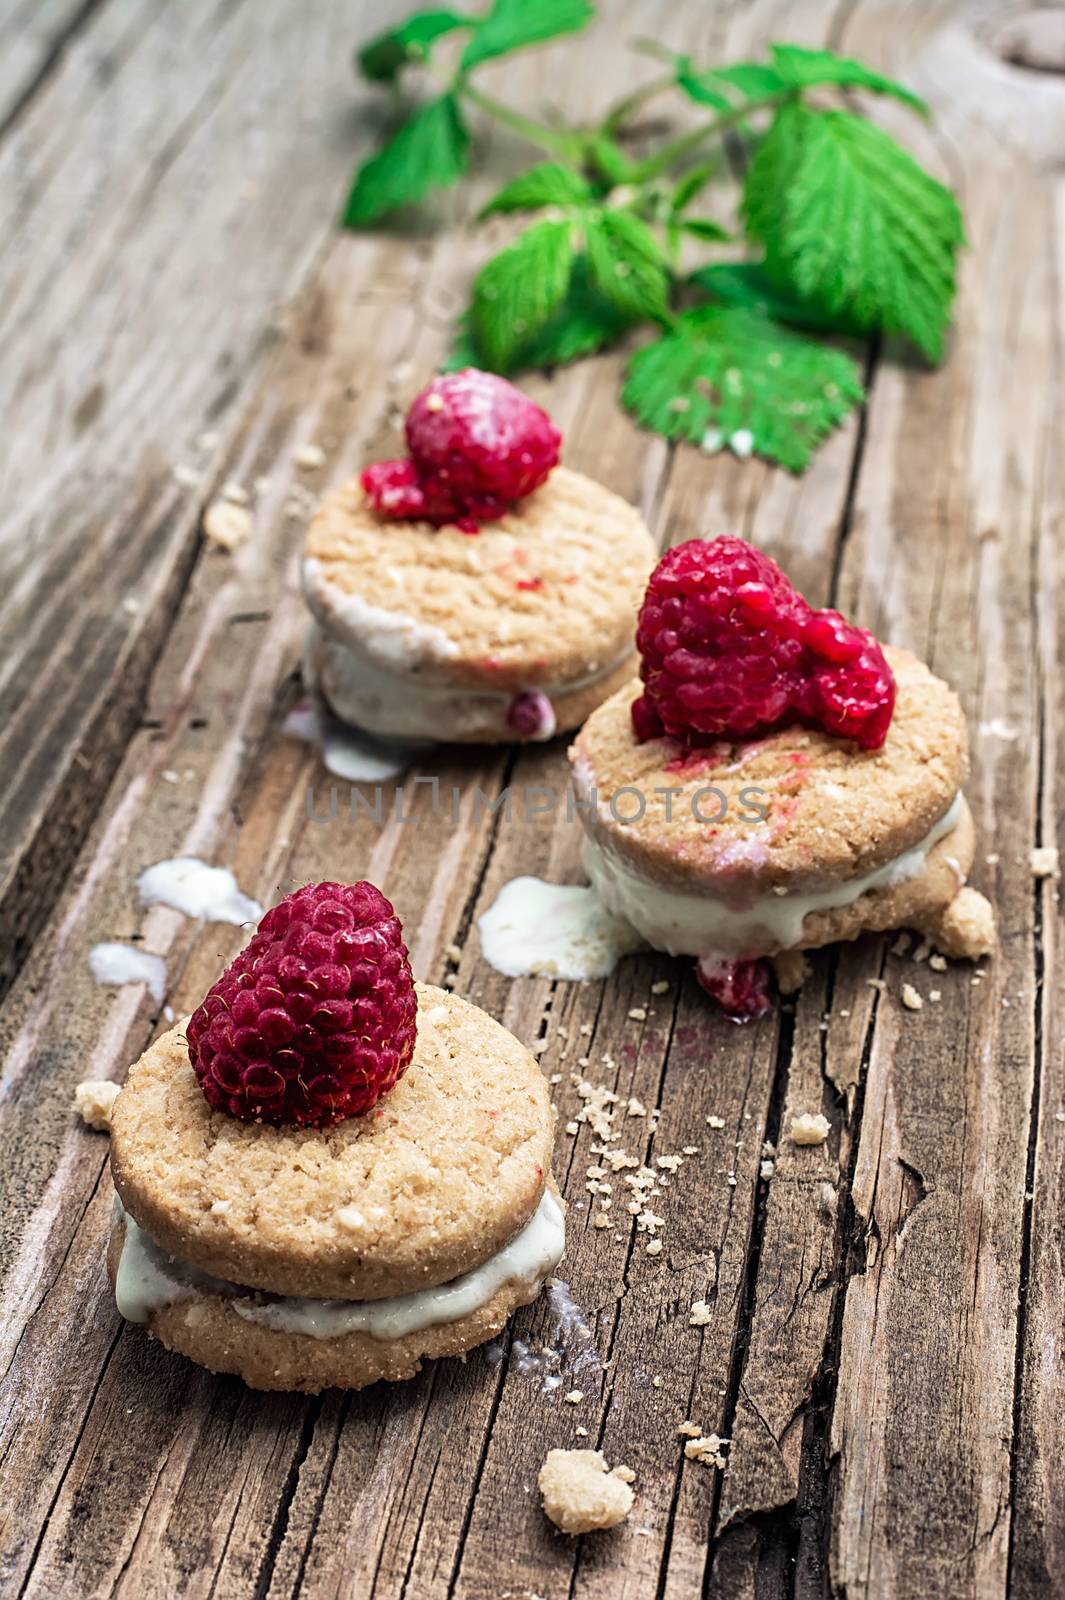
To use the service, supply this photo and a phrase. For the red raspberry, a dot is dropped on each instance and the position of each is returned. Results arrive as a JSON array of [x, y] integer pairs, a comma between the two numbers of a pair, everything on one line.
[[730, 647], [476, 446], [315, 1020], [740, 988]]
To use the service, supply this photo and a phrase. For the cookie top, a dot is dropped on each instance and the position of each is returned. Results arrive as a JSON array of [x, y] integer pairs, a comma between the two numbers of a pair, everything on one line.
[[435, 1179], [831, 811], [546, 594]]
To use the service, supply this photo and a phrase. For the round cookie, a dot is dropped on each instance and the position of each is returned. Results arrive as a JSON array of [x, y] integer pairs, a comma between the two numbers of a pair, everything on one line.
[[427, 632], [436, 1179], [207, 1327], [796, 839]]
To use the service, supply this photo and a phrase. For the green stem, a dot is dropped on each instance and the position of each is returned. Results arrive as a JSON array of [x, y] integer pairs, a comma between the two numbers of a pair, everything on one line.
[[688, 143], [566, 145], [623, 110]]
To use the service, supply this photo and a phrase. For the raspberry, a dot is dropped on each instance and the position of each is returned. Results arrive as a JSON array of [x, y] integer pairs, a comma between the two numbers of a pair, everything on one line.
[[740, 988], [532, 715], [315, 1020], [476, 446], [729, 646]]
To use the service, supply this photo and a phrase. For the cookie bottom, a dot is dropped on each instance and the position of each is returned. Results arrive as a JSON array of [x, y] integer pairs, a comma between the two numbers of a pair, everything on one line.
[[206, 1328], [390, 707]]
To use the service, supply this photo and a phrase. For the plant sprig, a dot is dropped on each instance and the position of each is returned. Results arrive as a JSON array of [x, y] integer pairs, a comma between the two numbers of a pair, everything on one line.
[[847, 235]]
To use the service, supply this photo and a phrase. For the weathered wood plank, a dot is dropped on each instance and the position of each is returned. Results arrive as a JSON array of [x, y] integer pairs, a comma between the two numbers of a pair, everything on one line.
[[125, 341], [923, 1413]]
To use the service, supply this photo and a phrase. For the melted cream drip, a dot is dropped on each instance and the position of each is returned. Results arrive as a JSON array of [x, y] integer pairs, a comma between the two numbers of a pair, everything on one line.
[[553, 930], [148, 1280], [686, 923]]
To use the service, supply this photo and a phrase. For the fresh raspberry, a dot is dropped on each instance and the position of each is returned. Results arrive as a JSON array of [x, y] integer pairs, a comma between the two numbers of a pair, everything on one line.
[[477, 445], [532, 716], [730, 647], [740, 988], [315, 1020]]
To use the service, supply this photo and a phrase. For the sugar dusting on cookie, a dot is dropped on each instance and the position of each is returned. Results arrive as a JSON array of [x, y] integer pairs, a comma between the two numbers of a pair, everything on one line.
[[538, 929]]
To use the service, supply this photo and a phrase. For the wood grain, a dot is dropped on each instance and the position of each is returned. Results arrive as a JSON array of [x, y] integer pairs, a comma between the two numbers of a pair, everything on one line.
[[884, 1347]]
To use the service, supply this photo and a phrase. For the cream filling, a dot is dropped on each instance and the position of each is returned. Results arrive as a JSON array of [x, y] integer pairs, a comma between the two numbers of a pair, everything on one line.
[[683, 923], [377, 670], [148, 1280]]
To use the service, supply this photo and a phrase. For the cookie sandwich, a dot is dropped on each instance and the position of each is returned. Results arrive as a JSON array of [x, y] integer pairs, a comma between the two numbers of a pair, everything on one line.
[[330, 1172], [774, 780], [475, 590]]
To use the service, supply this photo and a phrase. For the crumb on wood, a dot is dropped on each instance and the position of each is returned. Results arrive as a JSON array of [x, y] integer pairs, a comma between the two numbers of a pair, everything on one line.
[[226, 525], [699, 1315], [910, 998], [1045, 861], [94, 1101], [706, 1449], [809, 1127], [581, 1494]]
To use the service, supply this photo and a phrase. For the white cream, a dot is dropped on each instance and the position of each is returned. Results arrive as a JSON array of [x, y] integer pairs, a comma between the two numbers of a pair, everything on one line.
[[348, 752], [685, 923], [380, 671], [115, 965], [198, 890], [149, 1280], [538, 929]]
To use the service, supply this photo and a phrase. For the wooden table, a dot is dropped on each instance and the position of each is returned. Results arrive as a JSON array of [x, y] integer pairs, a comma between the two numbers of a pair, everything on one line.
[[885, 1336]]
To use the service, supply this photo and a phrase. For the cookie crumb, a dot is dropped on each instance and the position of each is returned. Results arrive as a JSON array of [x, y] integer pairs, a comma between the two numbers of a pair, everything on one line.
[[910, 998], [937, 962], [94, 1100], [689, 1430], [661, 987], [809, 1128], [226, 525], [699, 1316], [574, 1397], [655, 1247], [309, 457], [581, 1494], [792, 970], [766, 1170], [638, 1014], [1045, 861], [706, 1450], [966, 928], [715, 1122]]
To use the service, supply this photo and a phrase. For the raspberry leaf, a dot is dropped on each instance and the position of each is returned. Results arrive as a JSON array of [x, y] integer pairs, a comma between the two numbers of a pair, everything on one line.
[[627, 263], [384, 57], [853, 226], [724, 376], [808, 69], [545, 185], [518, 289], [583, 323], [748, 285], [722, 88], [430, 151], [512, 24]]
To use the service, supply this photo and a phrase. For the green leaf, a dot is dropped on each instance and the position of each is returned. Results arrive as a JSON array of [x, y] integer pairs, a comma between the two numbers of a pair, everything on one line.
[[689, 185], [723, 376], [384, 57], [853, 225], [806, 69], [609, 161], [429, 151], [627, 264], [726, 87], [512, 24], [583, 323], [702, 228], [517, 290], [748, 285], [545, 185]]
